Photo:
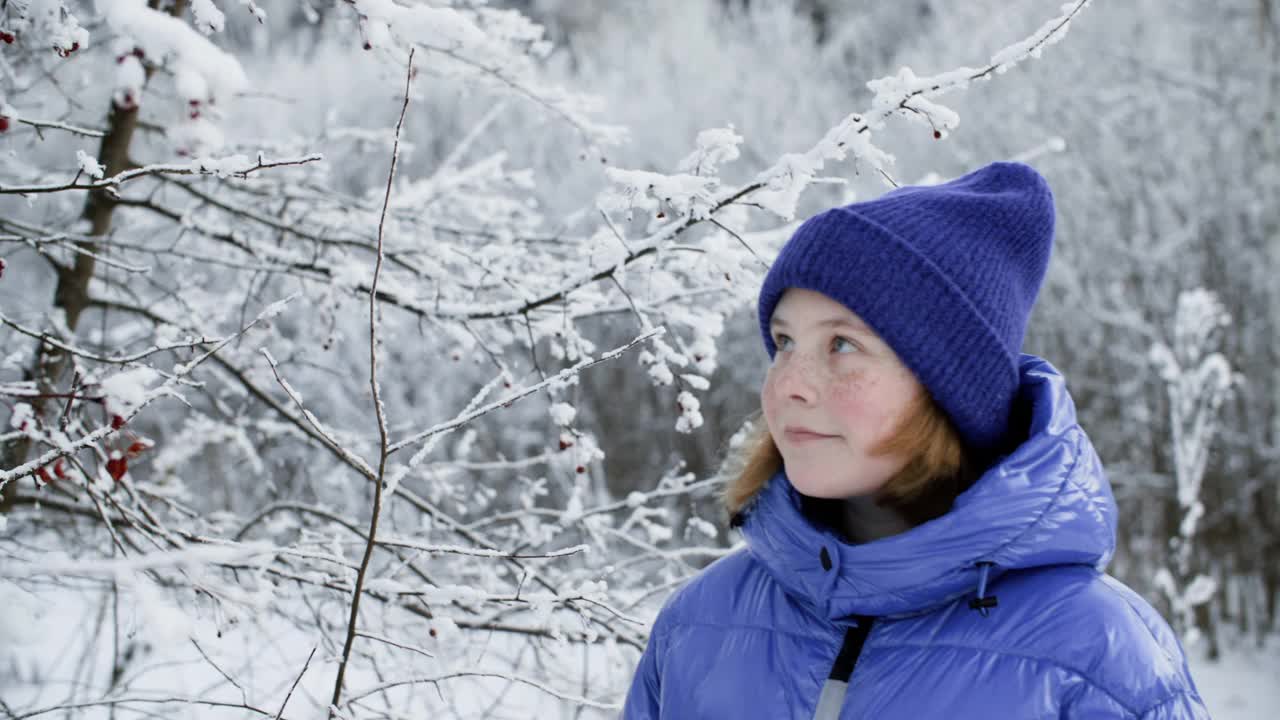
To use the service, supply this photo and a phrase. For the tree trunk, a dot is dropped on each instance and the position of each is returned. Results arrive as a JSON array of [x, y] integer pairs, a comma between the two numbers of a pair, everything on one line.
[[71, 295]]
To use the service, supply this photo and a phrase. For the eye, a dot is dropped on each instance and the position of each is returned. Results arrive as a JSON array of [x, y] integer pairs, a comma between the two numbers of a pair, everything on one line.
[[783, 342], [843, 345]]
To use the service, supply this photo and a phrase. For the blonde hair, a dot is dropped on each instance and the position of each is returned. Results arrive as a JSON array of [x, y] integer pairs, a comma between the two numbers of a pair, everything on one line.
[[938, 466]]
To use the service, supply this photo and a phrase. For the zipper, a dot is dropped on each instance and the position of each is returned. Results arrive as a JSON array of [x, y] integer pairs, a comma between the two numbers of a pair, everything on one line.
[[837, 684]]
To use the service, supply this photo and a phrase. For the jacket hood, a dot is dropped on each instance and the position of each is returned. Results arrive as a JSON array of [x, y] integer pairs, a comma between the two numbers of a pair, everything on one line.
[[1047, 502]]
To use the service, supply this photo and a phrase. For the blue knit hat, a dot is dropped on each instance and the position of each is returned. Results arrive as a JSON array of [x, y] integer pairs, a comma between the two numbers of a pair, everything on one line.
[[946, 274]]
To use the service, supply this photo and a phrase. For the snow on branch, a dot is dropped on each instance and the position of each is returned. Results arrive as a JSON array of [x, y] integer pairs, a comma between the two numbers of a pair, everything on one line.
[[124, 567], [499, 48], [206, 72], [55, 125], [50, 23], [904, 93], [97, 357], [139, 398], [234, 166], [779, 187], [507, 401]]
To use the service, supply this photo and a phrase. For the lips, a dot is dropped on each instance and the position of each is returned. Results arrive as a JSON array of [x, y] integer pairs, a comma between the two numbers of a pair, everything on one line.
[[798, 434]]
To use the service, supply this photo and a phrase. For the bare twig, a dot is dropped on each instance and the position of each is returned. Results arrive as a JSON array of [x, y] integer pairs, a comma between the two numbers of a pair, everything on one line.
[[465, 418], [384, 449], [295, 683], [383, 687], [112, 702], [88, 355], [244, 698], [317, 429], [393, 643], [744, 244]]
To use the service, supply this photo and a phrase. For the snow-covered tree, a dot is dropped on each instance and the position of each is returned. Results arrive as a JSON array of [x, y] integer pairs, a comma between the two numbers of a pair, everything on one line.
[[1198, 379]]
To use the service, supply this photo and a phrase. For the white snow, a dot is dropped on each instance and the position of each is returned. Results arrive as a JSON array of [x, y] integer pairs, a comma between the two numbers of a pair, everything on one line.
[[125, 391], [89, 166], [715, 146], [130, 76], [634, 190], [690, 415], [1242, 684], [209, 19], [697, 382], [167, 39], [562, 413]]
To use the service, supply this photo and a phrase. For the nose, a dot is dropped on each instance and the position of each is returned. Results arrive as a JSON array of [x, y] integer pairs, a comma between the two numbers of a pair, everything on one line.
[[797, 380]]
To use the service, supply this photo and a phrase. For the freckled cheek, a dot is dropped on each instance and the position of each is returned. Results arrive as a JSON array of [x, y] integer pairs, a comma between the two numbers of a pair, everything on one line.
[[770, 400], [853, 399]]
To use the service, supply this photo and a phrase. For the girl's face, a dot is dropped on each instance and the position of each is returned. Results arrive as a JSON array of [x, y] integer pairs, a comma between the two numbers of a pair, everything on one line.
[[834, 391]]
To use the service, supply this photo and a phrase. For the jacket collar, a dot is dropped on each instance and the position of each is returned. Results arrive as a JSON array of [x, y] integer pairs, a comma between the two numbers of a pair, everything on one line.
[[1047, 502]]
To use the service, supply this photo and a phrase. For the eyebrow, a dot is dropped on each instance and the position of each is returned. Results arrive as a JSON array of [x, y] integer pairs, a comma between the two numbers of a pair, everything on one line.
[[779, 322]]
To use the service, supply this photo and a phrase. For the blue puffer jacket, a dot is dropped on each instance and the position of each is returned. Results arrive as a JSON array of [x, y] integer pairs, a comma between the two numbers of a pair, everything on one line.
[[757, 633]]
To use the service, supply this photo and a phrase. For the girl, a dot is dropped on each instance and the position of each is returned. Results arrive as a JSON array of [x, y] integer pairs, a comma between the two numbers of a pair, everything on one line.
[[926, 523]]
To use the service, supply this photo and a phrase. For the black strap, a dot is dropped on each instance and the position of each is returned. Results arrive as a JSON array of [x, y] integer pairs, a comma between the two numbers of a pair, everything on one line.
[[854, 638]]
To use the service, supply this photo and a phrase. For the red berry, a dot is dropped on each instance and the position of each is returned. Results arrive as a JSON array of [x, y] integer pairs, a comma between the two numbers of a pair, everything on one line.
[[7, 37], [580, 469], [565, 445], [117, 422], [137, 448], [2, 264], [117, 467], [42, 476], [432, 632], [137, 52], [74, 47], [937, 134], [60, 470], [4, 123], [368, 45]]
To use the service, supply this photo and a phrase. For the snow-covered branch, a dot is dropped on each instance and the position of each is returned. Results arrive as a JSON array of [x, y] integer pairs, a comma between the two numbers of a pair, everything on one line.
[[236, 166]]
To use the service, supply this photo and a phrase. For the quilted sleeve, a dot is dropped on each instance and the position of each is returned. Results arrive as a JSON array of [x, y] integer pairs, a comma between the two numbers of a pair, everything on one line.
[[644, 699], [1183, 706], [1097, 704]]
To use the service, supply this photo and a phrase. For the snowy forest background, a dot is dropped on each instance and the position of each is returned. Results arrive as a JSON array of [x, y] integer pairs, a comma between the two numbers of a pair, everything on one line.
[[226, 338]]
